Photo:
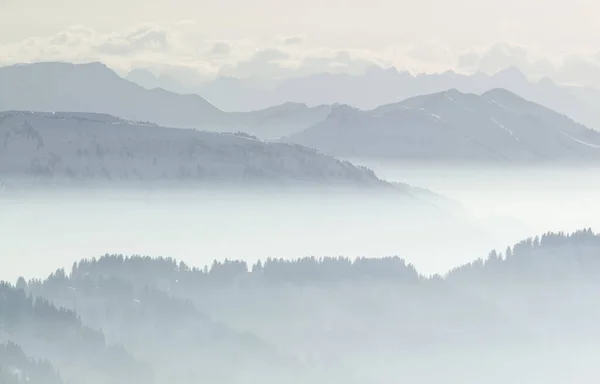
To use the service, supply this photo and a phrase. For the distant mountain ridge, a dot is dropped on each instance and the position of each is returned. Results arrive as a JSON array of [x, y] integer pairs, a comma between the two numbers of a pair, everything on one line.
[[379, 86], [496, 126], [445, 125], [289, 107], [78, 146], [94, 88]]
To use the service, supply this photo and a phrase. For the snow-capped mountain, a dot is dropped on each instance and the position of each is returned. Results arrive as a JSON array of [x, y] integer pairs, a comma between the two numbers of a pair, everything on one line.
[[85, 146], [496, 126]]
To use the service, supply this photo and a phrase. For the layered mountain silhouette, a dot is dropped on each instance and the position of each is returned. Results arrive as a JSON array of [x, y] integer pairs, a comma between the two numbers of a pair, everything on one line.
[[84, 146], [379, 86], [56, 87], [95, 88], [496, 126], [132, 319], [16, 367]]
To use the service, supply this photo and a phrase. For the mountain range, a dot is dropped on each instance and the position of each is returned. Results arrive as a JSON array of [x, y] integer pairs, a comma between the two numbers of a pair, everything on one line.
[[496, 126], [94, 88], [379, 86]]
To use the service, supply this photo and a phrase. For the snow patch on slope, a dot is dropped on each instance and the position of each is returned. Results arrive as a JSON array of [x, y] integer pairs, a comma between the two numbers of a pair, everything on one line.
[[581, 141], [498, 124], [431, 114], [448, 97], [501, 106]]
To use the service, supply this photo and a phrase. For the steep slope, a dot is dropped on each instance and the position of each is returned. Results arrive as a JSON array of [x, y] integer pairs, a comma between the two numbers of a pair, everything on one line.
[[181, 343], [278, 121], [148, 80], [232, 94], [496, 126], [101, 147], [445, 203], [358, 318], [94, 88], [79, 352], [17, 368]]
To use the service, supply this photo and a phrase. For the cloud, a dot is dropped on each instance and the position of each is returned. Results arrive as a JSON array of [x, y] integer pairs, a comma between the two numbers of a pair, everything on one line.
[[504, 55], [76, 36], [339, 61], [146, 38], [148, 45], [292, 40], [469, 60], [71, 44], [220, 48], [263, 63], [580, 69], [270, 55], [494, 59], [277, 63], [177, 50], [430, 52]]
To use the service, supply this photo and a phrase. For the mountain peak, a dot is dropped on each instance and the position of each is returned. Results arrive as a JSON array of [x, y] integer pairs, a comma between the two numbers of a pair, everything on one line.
[[94, 87], [511, 72], [546, 81], [343, 111], [141, 74], [287, 106], [500, 92], [92, 65], [453, 91], [343, 107], [497, 126], [53, 68]]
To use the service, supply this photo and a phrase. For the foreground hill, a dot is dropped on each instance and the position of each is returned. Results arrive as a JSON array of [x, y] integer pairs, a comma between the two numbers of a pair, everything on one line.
[[531, 309], [157, 327], [78, 146], [94, 88], [48, 332], [17, 368], [496, 126]]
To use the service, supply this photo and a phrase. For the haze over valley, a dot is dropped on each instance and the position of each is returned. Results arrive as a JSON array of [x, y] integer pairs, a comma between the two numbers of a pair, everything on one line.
[[389, 193], [139, 319]]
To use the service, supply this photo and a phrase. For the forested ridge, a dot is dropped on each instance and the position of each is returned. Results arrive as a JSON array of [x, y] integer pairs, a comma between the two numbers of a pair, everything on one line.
[[16, 367], [138, 319]]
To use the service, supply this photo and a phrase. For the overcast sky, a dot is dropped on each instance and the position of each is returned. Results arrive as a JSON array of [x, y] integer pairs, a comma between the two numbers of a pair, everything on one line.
[[221, 36]]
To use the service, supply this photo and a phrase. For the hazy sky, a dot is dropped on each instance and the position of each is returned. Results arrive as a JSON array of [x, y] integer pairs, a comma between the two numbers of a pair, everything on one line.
[[230, 36]]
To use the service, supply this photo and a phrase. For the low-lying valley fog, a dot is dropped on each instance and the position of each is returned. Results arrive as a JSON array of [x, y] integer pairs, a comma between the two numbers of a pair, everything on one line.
[[44, 230], [486, 208], [240, 230], [536, 199]]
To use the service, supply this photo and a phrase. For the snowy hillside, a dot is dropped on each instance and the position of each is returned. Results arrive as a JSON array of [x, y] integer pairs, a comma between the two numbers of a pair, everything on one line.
[[496, 126], [101, 147]]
